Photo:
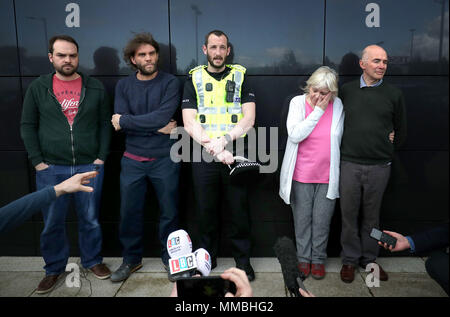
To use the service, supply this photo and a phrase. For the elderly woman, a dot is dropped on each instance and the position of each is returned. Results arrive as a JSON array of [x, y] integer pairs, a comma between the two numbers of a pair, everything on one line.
[[309, 177]]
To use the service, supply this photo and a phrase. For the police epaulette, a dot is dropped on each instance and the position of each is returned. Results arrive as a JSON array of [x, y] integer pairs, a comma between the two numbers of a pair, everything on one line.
[[238, 67], [196, 68]]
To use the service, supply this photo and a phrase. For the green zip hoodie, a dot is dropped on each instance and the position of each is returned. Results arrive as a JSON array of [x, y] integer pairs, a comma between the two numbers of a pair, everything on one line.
[[47, 134]]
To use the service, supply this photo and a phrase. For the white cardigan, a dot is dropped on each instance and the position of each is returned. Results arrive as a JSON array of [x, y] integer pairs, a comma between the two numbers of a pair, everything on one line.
[[298, 129]]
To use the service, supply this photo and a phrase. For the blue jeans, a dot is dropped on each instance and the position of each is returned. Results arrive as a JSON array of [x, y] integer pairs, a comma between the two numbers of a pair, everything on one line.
[[54, 242], [164, 176]]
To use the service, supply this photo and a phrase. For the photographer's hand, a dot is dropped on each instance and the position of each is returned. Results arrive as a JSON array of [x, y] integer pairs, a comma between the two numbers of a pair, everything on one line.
[[239, 278]]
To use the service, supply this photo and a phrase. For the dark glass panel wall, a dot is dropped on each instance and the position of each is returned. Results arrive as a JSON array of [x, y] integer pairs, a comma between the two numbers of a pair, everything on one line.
[[102, 30], [426, 99], [267, 37], [9, 64], [10, 113], [280, 43]]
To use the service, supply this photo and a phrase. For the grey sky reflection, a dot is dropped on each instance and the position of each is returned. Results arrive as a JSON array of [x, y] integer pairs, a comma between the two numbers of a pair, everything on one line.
[[268, 37]]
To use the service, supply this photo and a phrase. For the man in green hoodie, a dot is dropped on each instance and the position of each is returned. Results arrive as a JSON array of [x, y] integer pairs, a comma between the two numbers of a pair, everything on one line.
[[65, 128]]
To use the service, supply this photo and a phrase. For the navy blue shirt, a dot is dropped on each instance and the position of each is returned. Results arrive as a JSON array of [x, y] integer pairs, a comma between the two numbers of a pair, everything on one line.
[[147, 106], [17, 212]]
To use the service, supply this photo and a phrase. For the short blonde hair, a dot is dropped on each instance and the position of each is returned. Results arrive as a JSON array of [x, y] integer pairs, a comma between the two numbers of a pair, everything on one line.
[[323, 77]]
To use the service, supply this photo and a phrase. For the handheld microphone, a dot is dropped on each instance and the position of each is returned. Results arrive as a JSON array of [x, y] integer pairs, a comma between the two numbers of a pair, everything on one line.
[[178, 243], [293, 279], [182, 261], [203, 261]]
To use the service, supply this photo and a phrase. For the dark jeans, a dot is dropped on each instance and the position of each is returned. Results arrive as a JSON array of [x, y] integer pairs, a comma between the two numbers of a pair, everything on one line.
[[213, 189], [361, 194], [164, 176], [54, 242], [437, 268]]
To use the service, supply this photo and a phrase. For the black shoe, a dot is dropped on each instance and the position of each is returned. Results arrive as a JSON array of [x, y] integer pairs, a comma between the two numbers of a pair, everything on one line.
[[248, 270], [124, 271]]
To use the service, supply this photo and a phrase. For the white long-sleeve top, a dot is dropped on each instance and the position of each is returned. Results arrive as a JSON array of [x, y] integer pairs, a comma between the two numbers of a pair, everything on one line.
[[298, 129]]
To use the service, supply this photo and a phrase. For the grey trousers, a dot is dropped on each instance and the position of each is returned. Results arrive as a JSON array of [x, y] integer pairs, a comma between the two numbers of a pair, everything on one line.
[[361, 194], [312, 212]]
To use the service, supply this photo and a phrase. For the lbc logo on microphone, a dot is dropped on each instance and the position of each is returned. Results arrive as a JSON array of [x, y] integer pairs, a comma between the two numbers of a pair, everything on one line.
[[182, 263], [173, 242]]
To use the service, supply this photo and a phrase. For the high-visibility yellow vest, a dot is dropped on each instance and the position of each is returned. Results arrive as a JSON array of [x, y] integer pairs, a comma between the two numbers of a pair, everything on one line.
[[217, 115]]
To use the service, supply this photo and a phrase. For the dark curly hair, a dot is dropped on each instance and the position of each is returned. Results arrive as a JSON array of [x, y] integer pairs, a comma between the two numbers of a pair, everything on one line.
[[135, 43]]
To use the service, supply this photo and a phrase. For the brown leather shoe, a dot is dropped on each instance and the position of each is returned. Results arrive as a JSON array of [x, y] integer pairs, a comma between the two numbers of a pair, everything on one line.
[[47, 284], [347, 273], [100, 271], [383, 275]]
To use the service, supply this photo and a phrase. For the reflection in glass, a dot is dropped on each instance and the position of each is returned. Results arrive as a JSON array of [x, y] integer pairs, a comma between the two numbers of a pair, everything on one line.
[[267, 38], [10, 114], [103, 24], [417, 43], [8, 45]]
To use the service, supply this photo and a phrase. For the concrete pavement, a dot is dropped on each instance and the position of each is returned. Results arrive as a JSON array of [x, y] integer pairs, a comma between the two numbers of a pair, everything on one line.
[[19, 277]]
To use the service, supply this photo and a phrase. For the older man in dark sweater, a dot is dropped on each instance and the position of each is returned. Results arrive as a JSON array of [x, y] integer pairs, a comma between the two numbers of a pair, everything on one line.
[[145, 103], [375, 123]]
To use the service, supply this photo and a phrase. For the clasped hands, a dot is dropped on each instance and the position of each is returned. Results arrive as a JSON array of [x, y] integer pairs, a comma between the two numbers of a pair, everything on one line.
[[216, 147]]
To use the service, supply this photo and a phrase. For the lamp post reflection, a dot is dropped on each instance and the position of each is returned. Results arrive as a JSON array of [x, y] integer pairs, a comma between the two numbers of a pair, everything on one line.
[[412, 44], [197, 12]]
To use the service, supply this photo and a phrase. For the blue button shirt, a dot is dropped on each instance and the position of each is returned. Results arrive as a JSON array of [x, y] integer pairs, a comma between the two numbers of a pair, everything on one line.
[[363, 84], [412, 248]]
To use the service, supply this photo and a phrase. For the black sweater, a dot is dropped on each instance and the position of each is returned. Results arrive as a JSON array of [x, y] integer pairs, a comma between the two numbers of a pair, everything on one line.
[[371, 113]]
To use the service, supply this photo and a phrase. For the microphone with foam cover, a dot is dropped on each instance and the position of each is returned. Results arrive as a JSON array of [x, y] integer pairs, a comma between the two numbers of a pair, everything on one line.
[[285, 250], [203, 261], [179, 243], [182, 262]]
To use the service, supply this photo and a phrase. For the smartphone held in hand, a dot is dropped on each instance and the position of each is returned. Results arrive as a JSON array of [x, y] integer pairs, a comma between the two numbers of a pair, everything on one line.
[[204, 286], [383, 237]]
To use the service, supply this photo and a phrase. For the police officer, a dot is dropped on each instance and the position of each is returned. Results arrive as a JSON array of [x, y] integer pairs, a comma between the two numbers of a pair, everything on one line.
[[218, 108]]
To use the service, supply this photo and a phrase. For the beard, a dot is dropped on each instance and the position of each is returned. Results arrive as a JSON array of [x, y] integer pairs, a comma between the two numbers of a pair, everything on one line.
[[66, 71], [144, 71], [213, 62]]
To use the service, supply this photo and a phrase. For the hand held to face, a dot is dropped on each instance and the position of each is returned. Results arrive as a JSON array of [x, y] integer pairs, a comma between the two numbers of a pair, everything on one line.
[[313, 99], [324, 101]]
